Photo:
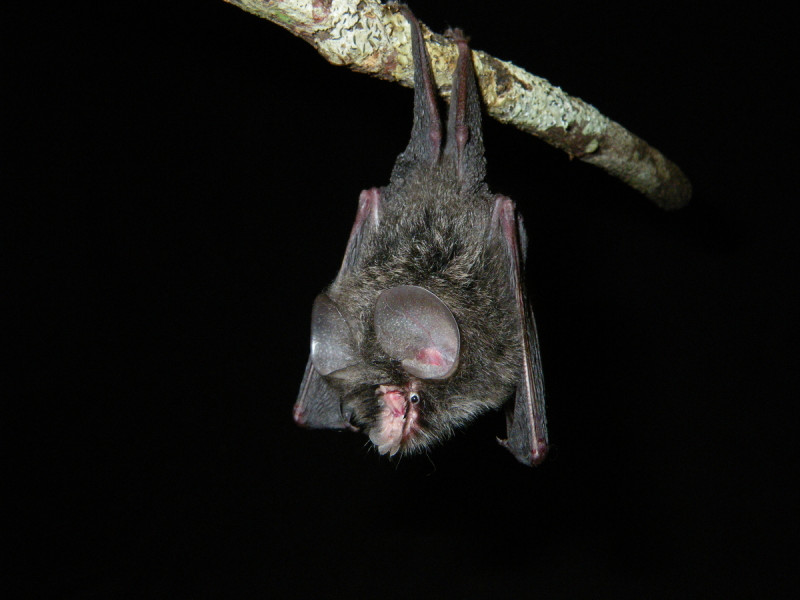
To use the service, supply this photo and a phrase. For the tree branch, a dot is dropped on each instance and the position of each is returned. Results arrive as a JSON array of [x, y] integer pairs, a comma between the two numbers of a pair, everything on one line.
[[373, 38]]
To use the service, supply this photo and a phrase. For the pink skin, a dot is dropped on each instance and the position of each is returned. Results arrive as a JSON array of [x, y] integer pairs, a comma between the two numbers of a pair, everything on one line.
[[430, 356], [398, 420]]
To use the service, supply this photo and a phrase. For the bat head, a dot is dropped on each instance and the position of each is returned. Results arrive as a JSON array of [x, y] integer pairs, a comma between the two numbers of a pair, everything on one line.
[[417, 344]]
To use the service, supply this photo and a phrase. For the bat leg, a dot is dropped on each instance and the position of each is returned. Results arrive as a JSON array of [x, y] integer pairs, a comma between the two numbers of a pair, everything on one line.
[[464, 147], [526, 422], [426, 133]]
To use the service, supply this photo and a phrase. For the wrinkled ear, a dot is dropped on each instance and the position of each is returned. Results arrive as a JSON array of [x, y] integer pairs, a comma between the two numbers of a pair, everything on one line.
[[413, 326], [318, 406], [332, 343]]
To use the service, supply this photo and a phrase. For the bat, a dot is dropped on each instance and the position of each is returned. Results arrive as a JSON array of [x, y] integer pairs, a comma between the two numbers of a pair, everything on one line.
[[427, 324]]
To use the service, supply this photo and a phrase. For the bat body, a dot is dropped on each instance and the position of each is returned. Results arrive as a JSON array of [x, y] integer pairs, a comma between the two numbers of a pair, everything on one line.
[[427, 324]]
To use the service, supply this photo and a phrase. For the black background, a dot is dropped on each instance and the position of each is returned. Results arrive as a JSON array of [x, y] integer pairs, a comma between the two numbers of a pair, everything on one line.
[[184, 176]]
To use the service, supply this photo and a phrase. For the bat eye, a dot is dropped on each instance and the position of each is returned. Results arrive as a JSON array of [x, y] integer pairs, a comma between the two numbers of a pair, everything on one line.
[[414, 398], [413, 326], [331, 338]]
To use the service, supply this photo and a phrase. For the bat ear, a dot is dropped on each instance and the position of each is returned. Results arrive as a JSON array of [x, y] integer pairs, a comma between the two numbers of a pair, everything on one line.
[[332, 340], [413, 326], [318, 405]]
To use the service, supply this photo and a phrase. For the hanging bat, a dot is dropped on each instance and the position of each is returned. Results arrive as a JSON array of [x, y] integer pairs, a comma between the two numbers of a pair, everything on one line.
[[427, 324]]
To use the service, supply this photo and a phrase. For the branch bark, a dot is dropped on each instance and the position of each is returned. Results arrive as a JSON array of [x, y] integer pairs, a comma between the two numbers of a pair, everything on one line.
[[374, 38]]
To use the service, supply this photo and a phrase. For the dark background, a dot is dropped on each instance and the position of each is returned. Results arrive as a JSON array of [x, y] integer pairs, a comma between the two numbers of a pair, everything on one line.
[[183, 177]]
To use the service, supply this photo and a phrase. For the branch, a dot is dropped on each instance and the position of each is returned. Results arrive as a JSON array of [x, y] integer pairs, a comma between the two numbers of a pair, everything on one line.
[[373, 38]]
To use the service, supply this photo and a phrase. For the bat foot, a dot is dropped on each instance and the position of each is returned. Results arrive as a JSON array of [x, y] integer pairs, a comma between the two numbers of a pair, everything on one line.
[[456, 35]]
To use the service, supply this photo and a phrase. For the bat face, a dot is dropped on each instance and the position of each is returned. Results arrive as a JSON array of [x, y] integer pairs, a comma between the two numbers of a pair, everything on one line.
[[427, 324]]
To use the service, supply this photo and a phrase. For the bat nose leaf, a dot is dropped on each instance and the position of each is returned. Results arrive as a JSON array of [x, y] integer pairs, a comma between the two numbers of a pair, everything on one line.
[[413, 326], [331, 338]]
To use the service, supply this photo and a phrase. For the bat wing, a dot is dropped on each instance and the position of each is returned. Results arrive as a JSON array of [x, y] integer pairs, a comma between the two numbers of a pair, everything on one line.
[[318, 406], [526, 421]]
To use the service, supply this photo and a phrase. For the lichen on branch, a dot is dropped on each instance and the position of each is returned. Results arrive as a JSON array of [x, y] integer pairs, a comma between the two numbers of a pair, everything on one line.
[[374, 38]]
